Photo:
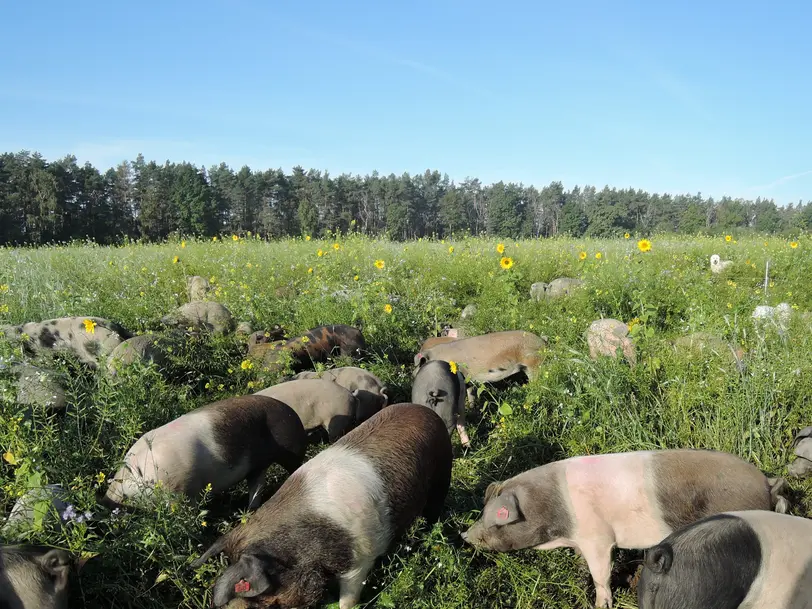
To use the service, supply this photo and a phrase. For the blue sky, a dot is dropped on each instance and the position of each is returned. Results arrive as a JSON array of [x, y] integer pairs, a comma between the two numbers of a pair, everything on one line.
[[680, 97]]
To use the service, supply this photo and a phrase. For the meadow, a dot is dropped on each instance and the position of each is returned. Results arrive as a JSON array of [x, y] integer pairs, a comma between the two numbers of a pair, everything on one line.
[[577, 406]]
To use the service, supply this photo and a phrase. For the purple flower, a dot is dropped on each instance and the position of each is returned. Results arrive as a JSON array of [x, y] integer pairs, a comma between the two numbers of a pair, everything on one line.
[[69, 513]]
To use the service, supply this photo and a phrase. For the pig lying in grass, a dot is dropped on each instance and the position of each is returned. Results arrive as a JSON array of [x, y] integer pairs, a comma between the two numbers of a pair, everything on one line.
[[315, 345], [201, 315], [629, 500], [319, 404], [367, 387], [442, 390], [338, 513], [219, 444], [34, 577], [737, 560]]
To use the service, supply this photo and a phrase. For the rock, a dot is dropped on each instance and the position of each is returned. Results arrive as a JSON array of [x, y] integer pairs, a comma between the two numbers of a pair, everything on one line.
[[563, 286], [468, 312], [49, 500], [606, 336], [211, 316], [38, 387], [802, 466], [197, 288], [144, 348]]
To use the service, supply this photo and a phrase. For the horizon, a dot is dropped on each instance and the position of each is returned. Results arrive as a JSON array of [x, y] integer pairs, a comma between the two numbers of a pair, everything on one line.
[[624, 98]]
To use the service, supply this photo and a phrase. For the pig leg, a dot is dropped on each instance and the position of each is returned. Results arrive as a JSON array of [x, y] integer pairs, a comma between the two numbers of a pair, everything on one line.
[[338, 426], [256, 484], [466, 442], [352, 583], [435, 500], [598, 556]]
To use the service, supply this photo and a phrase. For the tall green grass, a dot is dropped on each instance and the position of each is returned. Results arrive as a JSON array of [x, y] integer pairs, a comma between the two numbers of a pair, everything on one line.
[[576, 406]]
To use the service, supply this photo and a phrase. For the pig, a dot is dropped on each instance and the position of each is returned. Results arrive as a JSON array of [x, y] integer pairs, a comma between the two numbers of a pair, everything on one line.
[[87, 338], [371, 392], [563, 286], [538, 290], [739, 559], [39, 388], [144, 348], [49, 502], [34, 577], [605, 336], [244, 329], [220, 444], [338, 513], [442, 389], [201, 315], [262, 337], [436, 340], [319, 403], [197, 288], [315, 345], [630, 500], [802, 466], [701, 342], [490, 357], [469, 311]]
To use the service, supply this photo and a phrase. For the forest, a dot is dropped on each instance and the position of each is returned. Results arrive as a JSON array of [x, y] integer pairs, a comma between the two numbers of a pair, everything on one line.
[[44, 202]]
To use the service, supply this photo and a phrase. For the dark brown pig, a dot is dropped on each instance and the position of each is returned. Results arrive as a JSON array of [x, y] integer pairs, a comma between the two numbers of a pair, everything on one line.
[[627, 500], [219, 444], [34, 577], [338, 513], [315, 345]]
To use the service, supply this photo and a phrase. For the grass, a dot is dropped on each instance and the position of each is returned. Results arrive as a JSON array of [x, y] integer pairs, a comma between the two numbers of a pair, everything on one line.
[[576, 406]]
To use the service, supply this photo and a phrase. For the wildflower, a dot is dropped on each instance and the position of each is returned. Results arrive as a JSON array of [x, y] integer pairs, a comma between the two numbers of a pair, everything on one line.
[[506, 262], [729, 306], [208, 488], [626, 235], [248, 233], [598, 255], [320, 253], [204, 524], [100, 478], [765, 244], [633, 323], [387, 308], [182, 244], [4, 308], [235, 238], [3, 288], [379, 264], [307, 237], [644, 245], [728, 238], [69, 513], [582, 256], [90, 325], [450, 249], [248, 265], [794, 244], [453, 367], [9, 458], [500, 247], [310, 270], [336, 246], [305, 339], [246, 364], [355, 278], [212, 279], [175, 260], [214, 238]]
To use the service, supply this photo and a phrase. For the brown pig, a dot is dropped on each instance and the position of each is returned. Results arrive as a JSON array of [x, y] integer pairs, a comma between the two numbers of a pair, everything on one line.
[[627, 500], [220, 444], [371, 392], [315, 345], [34, 577], [338, 513]]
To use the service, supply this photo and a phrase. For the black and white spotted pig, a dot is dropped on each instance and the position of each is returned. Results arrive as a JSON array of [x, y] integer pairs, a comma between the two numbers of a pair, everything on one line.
[[442, 390], [34, 577], [737, 560], [87, 337], [219, 444], [338, 513]]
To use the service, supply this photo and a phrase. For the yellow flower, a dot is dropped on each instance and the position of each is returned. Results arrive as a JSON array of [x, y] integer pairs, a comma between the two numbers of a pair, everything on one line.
[[246, 364], [212, 279], [320, 253], [310, 270], [336, 246], [379, 264], [305, 339], [451, 249], [100, 477], [9, 458], [453, 367], [582, 256], [728, 238], [214, 238], [506, 262], [387, 308], [794, 244], [355, 278], [235, 238], [203, 524], [500, 248], [644, 245], [626, 236], [729, 306], [3, 288], [307, 237], [182, 244], [175, 260], [598, 255], [90, 326], [248, 233]]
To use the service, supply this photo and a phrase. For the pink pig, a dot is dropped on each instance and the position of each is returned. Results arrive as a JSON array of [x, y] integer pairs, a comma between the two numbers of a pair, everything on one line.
[[628, 500]]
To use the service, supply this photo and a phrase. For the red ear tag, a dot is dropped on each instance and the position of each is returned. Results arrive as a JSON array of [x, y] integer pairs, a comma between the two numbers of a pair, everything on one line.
[[242, 586], [502, 513]]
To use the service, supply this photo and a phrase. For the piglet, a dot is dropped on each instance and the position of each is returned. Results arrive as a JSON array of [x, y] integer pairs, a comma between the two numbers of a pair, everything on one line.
[[370, 391], [736, 560], [443, 390], [319, 404], [34, 577], [630, 500], [338, 513], [219, 444]]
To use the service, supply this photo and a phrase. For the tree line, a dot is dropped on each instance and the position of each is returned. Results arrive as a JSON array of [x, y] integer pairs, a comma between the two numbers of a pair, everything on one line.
[[43, 202]]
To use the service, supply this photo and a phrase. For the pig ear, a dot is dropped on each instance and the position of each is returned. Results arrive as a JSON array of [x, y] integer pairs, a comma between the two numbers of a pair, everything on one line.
[[492, 490], [505, 509], [247, 578], [659, 558], [57, 564]]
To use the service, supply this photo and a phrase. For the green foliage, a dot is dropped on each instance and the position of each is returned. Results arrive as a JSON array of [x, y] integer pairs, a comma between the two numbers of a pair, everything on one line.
[[672, 398]]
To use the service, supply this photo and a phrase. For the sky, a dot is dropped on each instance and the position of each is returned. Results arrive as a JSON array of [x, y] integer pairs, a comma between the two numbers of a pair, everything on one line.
[[680, 97]]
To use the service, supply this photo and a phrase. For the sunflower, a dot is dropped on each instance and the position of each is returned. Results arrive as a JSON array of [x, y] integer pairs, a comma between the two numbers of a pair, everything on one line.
[[320, 253], [452, 365], [598, 255], [235, 238], [450, 249], [644, 245], [506, 262], [582, 256], [175, 260], [728, 238], [90, 326], [307, 237], [336, 246], [500, 248], [387, 308], [379, 264], [794, 244], [626, 236]]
